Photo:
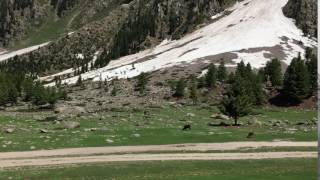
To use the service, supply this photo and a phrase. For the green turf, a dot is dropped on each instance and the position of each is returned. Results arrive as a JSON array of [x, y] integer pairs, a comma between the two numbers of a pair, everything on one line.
[[164, 127], [280, 169]]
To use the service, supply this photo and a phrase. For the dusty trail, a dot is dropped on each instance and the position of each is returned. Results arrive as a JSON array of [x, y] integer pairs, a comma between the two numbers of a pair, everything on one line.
[[153, 157], [200, 147], [111, 154]]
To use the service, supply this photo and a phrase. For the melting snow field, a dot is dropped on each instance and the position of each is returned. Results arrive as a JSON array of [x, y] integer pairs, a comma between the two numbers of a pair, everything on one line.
[[252, 24], [7, 55]]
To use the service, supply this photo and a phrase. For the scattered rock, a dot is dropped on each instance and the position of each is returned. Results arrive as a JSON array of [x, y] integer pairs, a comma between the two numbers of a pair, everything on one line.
[[71, 125], [223, 124], [136, 135], [51, 118], [254, 122], [43, 131], [70, 111], [220, 116], [191, 115], [45, 106], [9, 130], [277, 123], [109, 141], [90, 129]]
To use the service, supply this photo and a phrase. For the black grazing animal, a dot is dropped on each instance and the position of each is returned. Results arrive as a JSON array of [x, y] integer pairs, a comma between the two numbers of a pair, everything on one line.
[[250, 135], [186, 127]]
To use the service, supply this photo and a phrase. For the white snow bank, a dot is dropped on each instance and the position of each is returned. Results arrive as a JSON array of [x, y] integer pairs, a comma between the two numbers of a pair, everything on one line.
[[8, 55], [252, 24]]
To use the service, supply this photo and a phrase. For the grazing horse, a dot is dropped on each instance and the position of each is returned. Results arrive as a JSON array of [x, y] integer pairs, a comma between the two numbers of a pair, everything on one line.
[[186, 127]]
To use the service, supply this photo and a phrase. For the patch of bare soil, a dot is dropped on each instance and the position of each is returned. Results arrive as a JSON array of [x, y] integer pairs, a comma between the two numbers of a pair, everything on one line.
[[107, 154]]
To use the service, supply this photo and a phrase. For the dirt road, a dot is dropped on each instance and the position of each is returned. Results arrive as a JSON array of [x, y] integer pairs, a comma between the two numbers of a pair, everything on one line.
[[151, 153]]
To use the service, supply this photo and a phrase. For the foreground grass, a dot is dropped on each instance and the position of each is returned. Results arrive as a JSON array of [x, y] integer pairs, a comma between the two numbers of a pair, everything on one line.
[[164, 127], [281, 169]]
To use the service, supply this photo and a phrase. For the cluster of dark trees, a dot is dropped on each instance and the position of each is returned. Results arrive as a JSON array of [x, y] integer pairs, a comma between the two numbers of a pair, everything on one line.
[[15, 87], [190, 87], [246, 87]]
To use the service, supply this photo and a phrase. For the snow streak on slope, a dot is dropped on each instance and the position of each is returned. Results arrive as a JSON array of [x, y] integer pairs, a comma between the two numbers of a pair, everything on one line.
[[252, 24], [7, 55]]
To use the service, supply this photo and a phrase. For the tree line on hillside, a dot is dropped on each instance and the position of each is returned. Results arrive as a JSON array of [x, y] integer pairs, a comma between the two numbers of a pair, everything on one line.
[[246, 87], [15, 87]]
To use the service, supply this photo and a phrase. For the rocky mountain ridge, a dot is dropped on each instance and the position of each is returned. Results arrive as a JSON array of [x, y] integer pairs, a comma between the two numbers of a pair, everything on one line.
[[128, 27], [305, 14]]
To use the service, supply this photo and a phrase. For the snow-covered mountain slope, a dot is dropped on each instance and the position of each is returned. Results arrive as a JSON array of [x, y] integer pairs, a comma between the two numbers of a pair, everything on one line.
[[4, 55], [255, 31]]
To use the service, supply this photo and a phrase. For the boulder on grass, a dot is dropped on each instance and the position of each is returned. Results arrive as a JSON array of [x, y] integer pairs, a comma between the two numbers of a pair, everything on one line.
[[254, 122], [71, 125], [70, 110], [9, 130], [220, 116]]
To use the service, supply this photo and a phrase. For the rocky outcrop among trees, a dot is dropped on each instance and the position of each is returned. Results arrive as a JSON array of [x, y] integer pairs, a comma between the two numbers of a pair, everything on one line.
[[305, 14]]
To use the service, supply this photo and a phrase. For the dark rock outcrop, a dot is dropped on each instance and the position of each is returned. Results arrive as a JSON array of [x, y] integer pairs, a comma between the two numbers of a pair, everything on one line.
[[305, 14], [17, 17]]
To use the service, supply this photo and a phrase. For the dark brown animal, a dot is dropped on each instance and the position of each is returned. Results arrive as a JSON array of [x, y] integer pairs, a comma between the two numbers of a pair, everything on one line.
[[250, 135], [186, 127]]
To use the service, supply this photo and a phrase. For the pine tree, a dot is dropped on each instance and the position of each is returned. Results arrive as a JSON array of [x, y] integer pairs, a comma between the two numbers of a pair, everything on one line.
[[222, 72], [231, 78], [202, 82], [194, 90], [312, 65], [27, 89], [114, 91], [79, 81], [262, 75], [180, 88], [236, 102], [211, 76], [273, 72], [12, 94], [241, 70], [252, 83], [257, 90], [142, 82], [52, 95], [296, 80], [309, 53]]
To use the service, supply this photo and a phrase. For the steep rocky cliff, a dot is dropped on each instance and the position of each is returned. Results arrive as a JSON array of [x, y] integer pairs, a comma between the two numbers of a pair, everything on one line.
[[127, 26], [305, 14], [17, 16]]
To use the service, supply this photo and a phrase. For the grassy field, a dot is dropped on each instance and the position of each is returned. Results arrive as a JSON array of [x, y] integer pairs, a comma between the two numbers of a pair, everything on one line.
[[282, 169], [164, 127]]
